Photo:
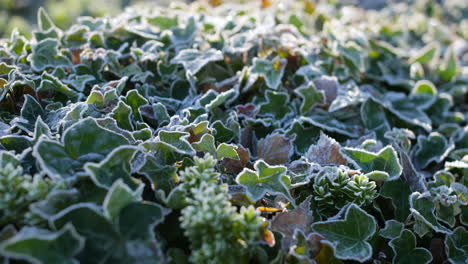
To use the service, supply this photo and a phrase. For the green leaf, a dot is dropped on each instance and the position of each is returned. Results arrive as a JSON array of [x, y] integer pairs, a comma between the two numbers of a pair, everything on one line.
[[374, 118], [265, 179], [116, 166], [456, 246], [30, 111], [427, 54], [449, 68], [163, 22], [42, 246], [310, 96], [422, 208], [123, 115], [118, 197], [349, 236], [271, 70], [106, 241], [424, 87], [276, 105], [45, 54], [398, 191], [385, 161], [177, 140], [392, 229], [206, 144], [194, 60], [431, 148], [226, 151], [162, 176], [84, 141], [43, 20], [406, 252]]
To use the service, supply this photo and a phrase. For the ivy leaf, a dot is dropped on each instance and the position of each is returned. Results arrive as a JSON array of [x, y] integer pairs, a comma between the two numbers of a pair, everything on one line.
[[117, 165], [276, 105], [310, 96], [349, 236], [119, 196], [265, 179], [432, 148], [45, 54], [329, 85], [456, 246], [287, 223], [226, 151], [305, 134], [398, 191], [422, 208], [206, 144], [374, 118], [392, 229], [325, 152], [178, 140], [122, 113], [30, 111], [193, 60], [84, 141], [385, 162], [161, 176], [272, 71], [43, 20], [105, 240], [406, 252], [328, 122], [42, 246], [275, 149]]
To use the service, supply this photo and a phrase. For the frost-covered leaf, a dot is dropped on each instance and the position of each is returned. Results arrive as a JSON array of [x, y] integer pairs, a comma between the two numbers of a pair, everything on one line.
[[392, 229], [422, 209], [265, 179], [117, 165], [276, 105], [226, 151], [349, 236], [456, 246], [178, 140], [275, 149], [271, 70], [300, 218], [119, 196], [42, 246], [326, 152], [432, 148], [398, 191], [310, 96], [82, 142], [385, 162], [404, 247], [45, 54], [194, 60]]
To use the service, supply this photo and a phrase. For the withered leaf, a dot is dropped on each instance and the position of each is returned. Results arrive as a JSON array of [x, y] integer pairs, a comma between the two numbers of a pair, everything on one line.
[[326, 152]]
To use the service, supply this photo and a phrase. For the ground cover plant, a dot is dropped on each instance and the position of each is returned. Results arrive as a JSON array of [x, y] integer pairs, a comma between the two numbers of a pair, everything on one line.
[[289, 132]]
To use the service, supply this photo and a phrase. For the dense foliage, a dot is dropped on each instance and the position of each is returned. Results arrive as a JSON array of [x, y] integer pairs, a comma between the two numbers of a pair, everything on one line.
[[293, 132]]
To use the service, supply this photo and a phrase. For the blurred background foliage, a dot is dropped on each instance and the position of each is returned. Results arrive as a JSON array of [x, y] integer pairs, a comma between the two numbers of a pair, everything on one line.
[[21, 14]]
